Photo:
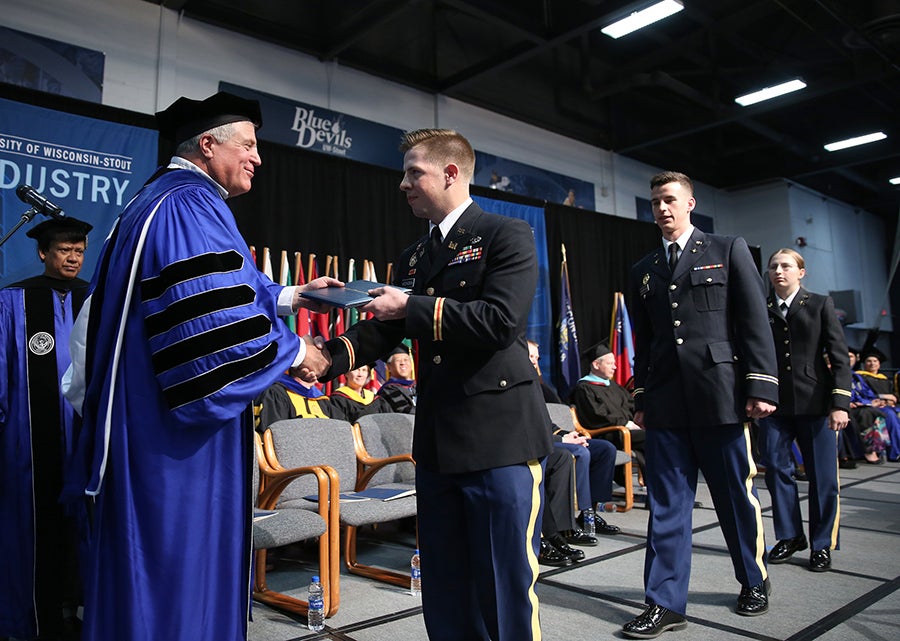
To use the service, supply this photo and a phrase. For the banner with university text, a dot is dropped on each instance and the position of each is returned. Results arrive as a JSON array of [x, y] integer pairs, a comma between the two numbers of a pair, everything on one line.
[[90, 168]]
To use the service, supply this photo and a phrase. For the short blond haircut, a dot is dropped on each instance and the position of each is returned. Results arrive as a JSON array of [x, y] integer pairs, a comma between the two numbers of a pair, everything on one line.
[[442, 147]]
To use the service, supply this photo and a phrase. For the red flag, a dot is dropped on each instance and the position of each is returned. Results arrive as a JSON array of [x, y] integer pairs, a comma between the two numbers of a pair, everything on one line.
[[300, 279], [621, 338], [339, 324], [318, 321]]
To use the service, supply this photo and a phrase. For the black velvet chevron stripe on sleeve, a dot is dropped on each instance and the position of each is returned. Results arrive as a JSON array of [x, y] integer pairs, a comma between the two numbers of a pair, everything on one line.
[[192, 307], [190, 268], [215, 379], [211, 342]]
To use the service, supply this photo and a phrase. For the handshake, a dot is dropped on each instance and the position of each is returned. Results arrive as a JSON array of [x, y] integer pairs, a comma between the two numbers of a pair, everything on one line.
[[317, 361]]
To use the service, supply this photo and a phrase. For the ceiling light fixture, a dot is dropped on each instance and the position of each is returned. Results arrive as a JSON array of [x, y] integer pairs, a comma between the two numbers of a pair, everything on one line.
[[770, 92], [642, 18], [895, 181], [853, 142]]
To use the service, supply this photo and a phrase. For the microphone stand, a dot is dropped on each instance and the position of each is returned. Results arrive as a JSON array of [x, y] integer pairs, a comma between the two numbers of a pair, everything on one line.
[[26, 217]]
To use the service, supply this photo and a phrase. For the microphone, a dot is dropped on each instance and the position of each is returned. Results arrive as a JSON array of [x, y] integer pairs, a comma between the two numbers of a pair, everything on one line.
[[30, 196]]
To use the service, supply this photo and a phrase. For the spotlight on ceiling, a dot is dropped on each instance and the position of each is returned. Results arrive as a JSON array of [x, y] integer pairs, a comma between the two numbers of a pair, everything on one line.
[[770, 92], [642, 18], [853, 142]]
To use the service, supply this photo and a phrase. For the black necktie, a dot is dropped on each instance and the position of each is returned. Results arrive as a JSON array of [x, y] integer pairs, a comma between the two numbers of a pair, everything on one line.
[[783, 307], [673, 256], [436, 241]]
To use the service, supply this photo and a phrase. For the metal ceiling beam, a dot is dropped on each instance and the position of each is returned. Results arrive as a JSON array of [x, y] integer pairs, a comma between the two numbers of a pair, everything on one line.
[[737, 114], [489, 13], [372, 16], [175, 5], [521, 54]]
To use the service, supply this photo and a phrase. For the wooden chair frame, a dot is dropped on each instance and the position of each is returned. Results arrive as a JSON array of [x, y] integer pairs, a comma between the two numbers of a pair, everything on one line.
[[272, 481], [626, 447], [366, 467]]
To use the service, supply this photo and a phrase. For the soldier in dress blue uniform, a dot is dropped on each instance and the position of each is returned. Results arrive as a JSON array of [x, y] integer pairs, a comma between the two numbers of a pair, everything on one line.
[[482, 428], [813, 401], [704, 366]]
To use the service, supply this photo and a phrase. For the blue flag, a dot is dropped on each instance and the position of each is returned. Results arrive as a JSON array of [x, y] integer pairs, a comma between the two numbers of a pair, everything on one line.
[[569, 363]]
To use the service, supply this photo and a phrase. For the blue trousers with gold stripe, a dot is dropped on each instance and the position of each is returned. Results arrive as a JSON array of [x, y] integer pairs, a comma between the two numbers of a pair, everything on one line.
[[479, 534], [673, 459], [818, 445]]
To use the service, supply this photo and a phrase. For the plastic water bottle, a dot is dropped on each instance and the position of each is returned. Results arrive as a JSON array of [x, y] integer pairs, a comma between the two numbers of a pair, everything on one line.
[[415, 574], [588, 516], [316, 615]]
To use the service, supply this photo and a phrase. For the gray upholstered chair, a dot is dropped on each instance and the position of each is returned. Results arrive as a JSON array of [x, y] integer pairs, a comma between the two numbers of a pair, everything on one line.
[[564, 416], [293, 525], [329, 442], [384, 449]]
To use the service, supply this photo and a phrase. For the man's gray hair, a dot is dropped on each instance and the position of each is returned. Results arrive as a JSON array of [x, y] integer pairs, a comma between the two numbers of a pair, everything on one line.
[[192, 145]]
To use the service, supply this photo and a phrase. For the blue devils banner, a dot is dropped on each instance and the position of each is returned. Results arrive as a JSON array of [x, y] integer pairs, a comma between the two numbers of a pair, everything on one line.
[[622, 340], [569, 361], [539, 319], [90, 168], [298, 124]]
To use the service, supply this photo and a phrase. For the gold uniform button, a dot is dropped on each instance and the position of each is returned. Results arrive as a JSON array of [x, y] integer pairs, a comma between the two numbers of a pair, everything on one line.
[[436, 360], [503, 382], [787, 354], [674, 305], [673, 287], [677, 323], [788, 368], [709, 280], [679, 341], [430, 291], [787, 342], [462, 283]]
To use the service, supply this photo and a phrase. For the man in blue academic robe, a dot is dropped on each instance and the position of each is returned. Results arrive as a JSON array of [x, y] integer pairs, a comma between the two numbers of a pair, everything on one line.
[[38, 575], [179, 334]]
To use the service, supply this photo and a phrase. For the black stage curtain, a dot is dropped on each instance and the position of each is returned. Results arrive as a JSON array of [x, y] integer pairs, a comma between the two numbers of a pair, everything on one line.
[[310, 202], [600, 250]]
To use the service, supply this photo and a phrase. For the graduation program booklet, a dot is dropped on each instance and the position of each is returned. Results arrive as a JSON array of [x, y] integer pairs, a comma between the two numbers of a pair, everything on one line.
[[353, 294], [259, 515], [376, 493]]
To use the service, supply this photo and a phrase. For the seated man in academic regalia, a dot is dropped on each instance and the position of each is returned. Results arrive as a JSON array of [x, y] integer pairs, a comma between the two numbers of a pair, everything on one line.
[[399, 390], [601, 402], [292, 397]]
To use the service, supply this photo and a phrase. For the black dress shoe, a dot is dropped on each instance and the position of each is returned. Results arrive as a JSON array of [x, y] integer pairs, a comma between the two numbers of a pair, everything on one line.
[[785, 549], [754, 600], [820, 560], [602, 527], [582, 538], [653, 622], [847, 464], [551, 556], [560, 544]]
